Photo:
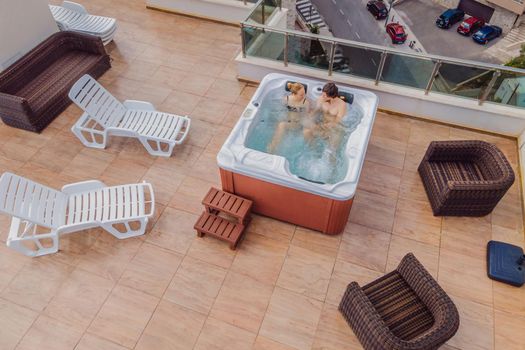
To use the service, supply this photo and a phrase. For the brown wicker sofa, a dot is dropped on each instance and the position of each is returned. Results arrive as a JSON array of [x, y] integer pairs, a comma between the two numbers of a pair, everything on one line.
[[465, 178], [33, 90], [403, 310]]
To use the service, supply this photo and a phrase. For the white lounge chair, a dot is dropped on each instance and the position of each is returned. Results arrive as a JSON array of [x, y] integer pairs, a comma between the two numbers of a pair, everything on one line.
[[41, 214], [104, 115], [74, 17]]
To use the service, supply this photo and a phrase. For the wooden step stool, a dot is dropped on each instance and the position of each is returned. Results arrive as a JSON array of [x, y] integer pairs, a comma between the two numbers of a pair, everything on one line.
[[217, 202]]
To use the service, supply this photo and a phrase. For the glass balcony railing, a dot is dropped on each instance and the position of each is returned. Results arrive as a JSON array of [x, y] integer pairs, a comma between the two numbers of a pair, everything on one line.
[[263, 11], [431, 74]]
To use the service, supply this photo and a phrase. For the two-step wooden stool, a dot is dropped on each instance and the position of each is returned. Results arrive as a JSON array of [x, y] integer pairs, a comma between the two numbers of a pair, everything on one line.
[[230, 228]]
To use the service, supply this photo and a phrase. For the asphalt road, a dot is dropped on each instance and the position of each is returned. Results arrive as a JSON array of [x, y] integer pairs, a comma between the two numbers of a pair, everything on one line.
[[349, 19], [346, 20]]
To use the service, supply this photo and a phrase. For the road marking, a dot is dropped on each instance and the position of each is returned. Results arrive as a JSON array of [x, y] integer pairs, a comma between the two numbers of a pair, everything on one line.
[[335, 3], [374, 62], [341, 12], [357, 34], [349, 23]]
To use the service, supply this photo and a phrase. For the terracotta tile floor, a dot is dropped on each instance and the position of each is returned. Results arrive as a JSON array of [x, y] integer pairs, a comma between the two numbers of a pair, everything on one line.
[[280, 289]]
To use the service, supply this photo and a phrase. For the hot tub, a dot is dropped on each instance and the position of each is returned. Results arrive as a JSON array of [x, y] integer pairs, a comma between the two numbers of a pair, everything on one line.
[[303, 189]]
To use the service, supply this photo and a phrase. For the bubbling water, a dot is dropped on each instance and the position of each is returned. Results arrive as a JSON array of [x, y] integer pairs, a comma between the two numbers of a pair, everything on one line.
[[314, 160]]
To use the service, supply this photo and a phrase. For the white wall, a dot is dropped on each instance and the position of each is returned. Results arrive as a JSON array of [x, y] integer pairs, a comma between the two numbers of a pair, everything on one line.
[[23, 25], [521, 154], [232, 11]]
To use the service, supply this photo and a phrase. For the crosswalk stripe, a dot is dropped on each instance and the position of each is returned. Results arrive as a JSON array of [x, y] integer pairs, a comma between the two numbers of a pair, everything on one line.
[[309, 13]]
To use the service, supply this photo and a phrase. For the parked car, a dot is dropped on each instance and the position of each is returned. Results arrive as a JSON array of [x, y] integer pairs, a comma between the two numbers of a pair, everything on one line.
[[486, 34], [396, 32], [470, 25], [449, 18], [377, 8]]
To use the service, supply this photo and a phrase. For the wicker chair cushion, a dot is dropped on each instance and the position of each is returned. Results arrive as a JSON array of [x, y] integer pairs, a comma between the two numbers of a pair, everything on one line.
[[456, 171], [399, 307], [56, 74]]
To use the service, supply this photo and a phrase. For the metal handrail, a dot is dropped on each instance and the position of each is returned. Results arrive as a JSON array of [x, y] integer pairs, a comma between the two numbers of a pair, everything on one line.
[[381, 66], [257, 4], [331, 59], [243, 42], [489, 87], [435, 71], [285, 56], [433, 57], [250, 14]]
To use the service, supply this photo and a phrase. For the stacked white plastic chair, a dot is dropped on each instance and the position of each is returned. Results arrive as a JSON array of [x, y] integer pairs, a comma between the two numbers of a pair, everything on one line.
[[104, 115], [74, 17], [41, 214]]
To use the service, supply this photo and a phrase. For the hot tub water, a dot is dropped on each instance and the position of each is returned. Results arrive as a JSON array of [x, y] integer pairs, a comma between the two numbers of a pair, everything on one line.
[[312, 161]]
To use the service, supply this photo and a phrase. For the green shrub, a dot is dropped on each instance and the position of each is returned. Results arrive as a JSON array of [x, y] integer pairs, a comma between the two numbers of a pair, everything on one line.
[[314, 28], [518, 62]]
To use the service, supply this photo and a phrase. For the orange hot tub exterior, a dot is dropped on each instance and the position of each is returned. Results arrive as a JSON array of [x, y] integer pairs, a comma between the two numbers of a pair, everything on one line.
[[287, 204]]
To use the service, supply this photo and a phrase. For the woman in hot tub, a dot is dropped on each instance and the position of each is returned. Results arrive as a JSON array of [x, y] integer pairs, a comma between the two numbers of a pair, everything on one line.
[[297, 105], [333, 109]]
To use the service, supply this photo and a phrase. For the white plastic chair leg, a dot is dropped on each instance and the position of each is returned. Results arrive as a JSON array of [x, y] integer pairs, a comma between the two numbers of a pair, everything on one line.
[[129, 231], [157, 151], [18, 240], [93, 143]]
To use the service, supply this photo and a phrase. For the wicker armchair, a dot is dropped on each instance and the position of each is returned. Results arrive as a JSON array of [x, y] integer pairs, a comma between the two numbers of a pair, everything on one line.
[[465, 178], [405, 309], [33, 90]]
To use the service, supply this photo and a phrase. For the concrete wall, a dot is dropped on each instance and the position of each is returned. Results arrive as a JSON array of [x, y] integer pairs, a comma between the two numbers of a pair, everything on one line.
[[291, 14], [502, 17], [521, 154], [231, 11], [23, 25], [447, 3], [520, 21], [511, 5]]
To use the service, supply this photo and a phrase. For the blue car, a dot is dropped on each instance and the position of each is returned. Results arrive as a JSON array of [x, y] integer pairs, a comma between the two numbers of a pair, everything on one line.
[[449, 18], [486, 34]]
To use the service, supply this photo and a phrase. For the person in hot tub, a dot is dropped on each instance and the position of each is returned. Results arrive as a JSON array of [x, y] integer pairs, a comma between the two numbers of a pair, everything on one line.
[[333, 109], [297, 105]]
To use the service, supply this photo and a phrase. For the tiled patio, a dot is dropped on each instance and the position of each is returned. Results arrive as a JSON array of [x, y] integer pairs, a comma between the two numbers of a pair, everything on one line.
[[280, 289]]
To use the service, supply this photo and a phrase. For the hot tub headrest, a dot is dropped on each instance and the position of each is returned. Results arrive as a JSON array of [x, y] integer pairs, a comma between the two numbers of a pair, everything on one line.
[[347, 97], [293, 82]]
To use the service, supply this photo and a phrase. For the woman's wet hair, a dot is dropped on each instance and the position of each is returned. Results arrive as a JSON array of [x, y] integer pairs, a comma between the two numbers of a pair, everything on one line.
[[331, 90], [294, 87]]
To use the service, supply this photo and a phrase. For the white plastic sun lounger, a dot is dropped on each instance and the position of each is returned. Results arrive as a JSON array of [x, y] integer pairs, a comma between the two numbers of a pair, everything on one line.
[[104, 115], [74, 17], [41, 214]]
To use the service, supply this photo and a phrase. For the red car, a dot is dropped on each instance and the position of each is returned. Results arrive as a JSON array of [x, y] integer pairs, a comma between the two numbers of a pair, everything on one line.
[[470, 25], [396, 33]]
